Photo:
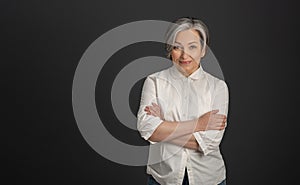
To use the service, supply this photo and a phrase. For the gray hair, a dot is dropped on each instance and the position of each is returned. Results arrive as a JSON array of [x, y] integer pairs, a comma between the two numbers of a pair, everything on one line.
[[182, 24]]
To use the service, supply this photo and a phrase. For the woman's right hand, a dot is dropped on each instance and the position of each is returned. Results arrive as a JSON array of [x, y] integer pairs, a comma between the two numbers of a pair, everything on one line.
[[211, 121]]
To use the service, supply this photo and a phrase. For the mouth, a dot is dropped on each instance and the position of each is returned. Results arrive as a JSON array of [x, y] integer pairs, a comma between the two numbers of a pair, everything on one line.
[[185, 61]]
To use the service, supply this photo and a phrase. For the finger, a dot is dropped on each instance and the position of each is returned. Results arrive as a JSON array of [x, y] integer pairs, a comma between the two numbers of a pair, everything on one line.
[[154, 104], [217, 123], [218, 128], [214, 111], [222, 127], [156, 107], [152, 109], [222, 120], [220, 116], [213, 118]]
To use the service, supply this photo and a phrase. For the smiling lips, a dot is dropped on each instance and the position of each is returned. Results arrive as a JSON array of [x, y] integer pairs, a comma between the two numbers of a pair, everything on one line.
[[185, 62]]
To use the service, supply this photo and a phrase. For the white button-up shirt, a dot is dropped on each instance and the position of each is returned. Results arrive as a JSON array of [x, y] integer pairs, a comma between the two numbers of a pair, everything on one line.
[[184, 98]]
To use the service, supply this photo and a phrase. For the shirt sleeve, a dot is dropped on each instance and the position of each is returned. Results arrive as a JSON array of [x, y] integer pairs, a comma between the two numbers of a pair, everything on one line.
[[146, 124], [210, 140]]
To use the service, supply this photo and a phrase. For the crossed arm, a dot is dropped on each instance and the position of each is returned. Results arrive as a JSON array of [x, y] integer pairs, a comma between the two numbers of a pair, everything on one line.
[[181, 133], [204, 133]]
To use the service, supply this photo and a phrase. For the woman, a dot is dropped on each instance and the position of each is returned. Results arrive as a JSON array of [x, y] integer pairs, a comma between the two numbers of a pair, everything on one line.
[[183, 113]]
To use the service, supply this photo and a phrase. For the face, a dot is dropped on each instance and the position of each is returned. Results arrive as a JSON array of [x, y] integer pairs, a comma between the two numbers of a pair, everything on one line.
[[187, 51]]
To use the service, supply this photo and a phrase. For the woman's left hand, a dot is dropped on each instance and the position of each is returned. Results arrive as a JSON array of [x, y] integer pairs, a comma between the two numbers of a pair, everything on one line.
[[154, 110]]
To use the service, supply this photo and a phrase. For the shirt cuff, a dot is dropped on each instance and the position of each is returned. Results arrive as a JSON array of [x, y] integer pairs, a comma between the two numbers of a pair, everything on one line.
[[148, 129], [202, 146]]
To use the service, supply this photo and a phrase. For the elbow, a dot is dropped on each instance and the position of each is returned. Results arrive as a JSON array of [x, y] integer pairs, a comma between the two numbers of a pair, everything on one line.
[[158, 136], [150, 131], [154, 137]]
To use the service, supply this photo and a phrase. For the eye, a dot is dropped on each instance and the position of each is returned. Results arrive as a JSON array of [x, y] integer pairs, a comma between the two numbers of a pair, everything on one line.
[[192, 47], [177, 48]]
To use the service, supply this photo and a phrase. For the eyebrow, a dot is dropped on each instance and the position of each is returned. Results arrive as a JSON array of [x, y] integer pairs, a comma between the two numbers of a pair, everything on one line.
[[188, 43]]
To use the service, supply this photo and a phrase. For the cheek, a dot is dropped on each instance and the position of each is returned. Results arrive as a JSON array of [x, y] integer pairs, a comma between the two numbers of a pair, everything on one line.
[[197, 56], [175, 55]]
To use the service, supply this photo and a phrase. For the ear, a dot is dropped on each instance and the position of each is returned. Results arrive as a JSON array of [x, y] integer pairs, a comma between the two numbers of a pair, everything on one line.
[[203, 52]]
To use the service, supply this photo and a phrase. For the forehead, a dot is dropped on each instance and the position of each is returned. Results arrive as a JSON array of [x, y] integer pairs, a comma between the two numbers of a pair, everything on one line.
[[185, 36]]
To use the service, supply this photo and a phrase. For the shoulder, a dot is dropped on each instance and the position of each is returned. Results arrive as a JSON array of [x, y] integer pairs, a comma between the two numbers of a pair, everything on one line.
[[216, 82], [163, 74]]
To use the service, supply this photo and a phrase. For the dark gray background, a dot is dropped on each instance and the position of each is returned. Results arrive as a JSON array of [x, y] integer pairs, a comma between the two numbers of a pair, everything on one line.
[[256, 43]]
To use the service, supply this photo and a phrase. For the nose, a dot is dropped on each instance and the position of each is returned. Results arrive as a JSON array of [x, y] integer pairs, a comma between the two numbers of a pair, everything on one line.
[[184, 54]]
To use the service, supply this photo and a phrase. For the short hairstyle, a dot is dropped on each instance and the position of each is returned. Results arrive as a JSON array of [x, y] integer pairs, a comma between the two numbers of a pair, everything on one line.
[[182, 24]]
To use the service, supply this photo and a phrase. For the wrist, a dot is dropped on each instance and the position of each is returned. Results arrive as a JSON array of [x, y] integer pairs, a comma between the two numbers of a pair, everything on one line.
[[200, 124]]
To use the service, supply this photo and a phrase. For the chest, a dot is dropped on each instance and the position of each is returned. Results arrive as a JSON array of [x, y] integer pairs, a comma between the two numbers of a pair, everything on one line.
[[183, 99]]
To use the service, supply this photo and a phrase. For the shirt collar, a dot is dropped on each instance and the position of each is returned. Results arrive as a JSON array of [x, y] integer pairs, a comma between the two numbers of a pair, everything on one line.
[[194, 76]]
